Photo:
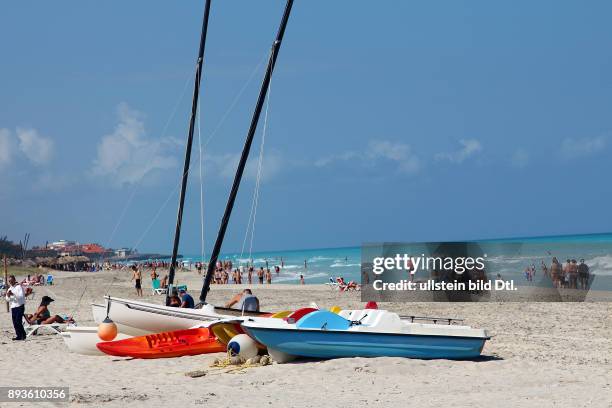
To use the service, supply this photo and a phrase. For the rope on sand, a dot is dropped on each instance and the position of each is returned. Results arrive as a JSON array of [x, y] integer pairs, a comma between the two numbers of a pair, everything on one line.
[[233, 364]]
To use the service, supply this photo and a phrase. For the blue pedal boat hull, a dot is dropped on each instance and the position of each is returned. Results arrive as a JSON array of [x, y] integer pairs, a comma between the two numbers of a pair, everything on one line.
[[341, 343]]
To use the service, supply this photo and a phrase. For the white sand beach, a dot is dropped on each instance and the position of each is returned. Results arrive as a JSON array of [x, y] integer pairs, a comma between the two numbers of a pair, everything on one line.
[[540, 355]]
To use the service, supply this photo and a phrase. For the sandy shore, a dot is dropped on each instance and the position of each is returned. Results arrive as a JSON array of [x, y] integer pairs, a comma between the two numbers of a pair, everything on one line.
[[541, 355]]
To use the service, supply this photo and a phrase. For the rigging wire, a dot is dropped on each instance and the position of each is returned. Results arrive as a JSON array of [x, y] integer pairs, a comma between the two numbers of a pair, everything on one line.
[[236, 99], [163, 134], [202, 243], [255, 201], [210, 137]]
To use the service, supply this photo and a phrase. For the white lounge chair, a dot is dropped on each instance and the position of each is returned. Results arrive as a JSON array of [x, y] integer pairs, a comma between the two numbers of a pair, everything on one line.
[[32, 329], [157, 289]]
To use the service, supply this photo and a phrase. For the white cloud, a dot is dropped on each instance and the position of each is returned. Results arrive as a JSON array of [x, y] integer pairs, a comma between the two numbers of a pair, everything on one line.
[[6, 147], [469, 147], [38, 149], [582, 147], [399, 153], [327, 160], [127, 155], [224, 165], [54, 182], [520, 158]]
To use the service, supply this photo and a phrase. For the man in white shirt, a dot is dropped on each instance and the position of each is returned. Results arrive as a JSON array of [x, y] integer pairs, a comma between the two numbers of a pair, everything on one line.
[[16, 295]]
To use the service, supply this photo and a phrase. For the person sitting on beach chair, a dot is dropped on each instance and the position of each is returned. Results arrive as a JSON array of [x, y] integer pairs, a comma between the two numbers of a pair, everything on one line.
[[245, 301], [343, 286], [43, 315], [164, 282]]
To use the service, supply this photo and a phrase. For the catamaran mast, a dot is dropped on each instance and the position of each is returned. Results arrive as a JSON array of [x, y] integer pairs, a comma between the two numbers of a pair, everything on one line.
[[194, 109], [245, 151]]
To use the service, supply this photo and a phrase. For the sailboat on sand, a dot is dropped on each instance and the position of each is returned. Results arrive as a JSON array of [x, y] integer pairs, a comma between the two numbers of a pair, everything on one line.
[[138, 318]]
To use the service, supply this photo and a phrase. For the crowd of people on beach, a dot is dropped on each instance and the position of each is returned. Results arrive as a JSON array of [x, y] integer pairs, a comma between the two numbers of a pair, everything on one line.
[[225, 269], [571, 275]]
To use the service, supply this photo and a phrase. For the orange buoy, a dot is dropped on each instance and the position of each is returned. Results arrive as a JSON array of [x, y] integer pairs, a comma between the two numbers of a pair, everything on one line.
[[107, 330]]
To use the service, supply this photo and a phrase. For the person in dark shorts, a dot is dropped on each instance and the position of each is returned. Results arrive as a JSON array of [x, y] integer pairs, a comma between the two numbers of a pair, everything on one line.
[[137, 277], [583, 274], [260, 275]]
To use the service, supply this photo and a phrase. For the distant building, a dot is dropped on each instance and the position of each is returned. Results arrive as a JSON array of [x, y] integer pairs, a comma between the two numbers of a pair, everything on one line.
[[123, 252], [62, 243], [92, 249]]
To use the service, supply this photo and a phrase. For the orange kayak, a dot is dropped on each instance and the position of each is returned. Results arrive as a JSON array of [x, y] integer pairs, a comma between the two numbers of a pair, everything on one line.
[[177, 343]]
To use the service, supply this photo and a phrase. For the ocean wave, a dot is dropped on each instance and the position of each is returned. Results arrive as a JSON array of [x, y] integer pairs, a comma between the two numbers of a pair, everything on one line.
[[296, 277], [291, 267], [319, 259], [601, 265], [343, 265]]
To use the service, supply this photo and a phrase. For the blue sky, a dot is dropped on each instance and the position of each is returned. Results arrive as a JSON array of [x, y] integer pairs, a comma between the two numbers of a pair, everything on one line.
[[388, 121]]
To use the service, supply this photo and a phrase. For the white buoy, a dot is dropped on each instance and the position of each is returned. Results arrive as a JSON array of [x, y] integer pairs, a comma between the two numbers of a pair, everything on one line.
[[279, 356], [242, 345]]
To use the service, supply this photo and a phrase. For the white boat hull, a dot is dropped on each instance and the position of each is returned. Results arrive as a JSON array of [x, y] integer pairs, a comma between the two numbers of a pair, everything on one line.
[[83, 340], [140, 318]]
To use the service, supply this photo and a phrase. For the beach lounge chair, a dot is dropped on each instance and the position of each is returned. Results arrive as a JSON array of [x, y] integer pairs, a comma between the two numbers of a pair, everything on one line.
[[345, 287], [157, 289], [49, 279], [32, 329], [332, 284]]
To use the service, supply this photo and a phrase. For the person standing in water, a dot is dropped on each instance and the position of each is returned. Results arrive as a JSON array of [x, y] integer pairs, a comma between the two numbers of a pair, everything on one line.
[[583, 274], [268, 276], [302, 280], [260, 275]]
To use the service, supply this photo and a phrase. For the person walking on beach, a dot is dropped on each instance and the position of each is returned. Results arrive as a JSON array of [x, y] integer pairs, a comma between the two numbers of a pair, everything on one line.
[[137, 277], [250, 275], [16, 295], [302, 280]]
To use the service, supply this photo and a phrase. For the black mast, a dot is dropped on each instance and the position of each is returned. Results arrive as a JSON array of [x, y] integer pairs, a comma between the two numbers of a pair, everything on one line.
[[245, 151], [194, 109]]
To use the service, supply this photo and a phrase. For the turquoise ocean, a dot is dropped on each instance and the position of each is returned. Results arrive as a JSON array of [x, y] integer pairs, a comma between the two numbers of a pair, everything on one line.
[[509, 257]]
